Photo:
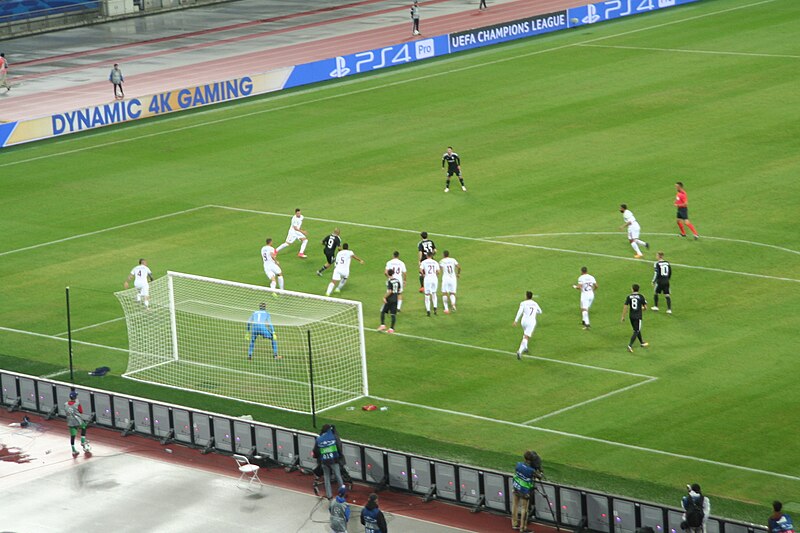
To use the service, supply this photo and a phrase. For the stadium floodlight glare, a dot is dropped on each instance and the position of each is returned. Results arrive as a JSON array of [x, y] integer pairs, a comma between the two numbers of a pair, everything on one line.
[[194, 336]]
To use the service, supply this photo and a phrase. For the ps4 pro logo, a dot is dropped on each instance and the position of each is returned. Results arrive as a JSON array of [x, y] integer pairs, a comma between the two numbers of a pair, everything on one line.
[[382, 57]]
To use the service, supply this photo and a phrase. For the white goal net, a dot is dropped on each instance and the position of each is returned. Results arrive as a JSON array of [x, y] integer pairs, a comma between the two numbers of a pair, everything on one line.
[[247, 342]]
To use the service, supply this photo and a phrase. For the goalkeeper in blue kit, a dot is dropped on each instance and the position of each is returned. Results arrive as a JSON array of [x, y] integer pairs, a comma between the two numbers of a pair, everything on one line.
[[260, 325]]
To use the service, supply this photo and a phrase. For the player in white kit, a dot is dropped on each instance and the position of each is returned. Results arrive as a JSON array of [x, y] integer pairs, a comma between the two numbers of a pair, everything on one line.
[[528, 310], [451, 270], [398, 269], [341, 269], [429, 270], [633, 230], [141, 277], [586, 285], [296, 231], [271, 266]]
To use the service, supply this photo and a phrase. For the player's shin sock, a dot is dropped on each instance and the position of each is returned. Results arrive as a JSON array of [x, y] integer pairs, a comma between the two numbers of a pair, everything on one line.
[[421, 281], [383, 318], [280, 282], [444, 301], [330, 289], [691, 227], [394, 319], [322, 269], [585, 315], [636, 248], [655, 300], [252, 346], [342, 283], [680, 226], [272, 283], [428, 303], [435, 302], [641, 242], [462, 181], [523, 345], [453, 300], [147, 302], [399, 303], [633, 338], [447, 183], [303, 245], [669, 303], [281, 247], [274, 347]]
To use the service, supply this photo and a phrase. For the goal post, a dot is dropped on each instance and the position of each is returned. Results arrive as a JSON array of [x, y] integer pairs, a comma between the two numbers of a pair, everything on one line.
[[246, 342]]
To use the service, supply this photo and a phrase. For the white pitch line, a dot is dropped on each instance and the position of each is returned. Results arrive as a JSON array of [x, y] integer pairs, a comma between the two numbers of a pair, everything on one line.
[[704, 237], [536, 357], [53, 337], [520, 245], [54, 374], [104, 230], [91, 326], [592, 439], [687, 51], [389, 72], [591, 400]]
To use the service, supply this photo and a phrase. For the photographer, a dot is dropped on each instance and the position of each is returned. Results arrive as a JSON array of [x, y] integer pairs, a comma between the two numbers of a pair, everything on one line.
[[696, 509], [779, 522], [328, 451], [525, 475]]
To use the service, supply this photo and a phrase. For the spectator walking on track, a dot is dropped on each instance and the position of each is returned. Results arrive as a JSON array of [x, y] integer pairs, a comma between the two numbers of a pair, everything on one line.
[[116, 79], [415, 18], [4, 72]]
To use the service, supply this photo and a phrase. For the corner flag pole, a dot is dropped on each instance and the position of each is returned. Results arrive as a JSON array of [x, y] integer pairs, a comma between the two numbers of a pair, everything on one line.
[[311, 381], [69, 340]]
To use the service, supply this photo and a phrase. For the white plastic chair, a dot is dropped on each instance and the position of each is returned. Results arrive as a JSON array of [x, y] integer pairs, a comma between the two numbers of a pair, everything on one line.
[[248, 470]]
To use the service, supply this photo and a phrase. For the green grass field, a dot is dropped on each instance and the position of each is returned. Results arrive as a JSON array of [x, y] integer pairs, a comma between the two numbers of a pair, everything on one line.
[[554, 133]]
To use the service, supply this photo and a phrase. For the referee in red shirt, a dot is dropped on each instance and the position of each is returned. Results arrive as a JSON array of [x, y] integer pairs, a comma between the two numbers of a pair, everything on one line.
[[682, 203]]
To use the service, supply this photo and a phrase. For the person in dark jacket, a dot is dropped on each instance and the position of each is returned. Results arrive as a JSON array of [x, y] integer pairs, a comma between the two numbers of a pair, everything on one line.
[[328, 449], [780, 522], [372, 517]]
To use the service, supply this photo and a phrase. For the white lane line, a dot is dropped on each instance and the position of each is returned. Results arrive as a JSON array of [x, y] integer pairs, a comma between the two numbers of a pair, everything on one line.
[[104, 230], [390, 72], [687, 51], [507, 243], [54, 374], [592, 439], [535, 357], [592, 400], [53, 337], [703, 237], [680, 21], [84, 328]]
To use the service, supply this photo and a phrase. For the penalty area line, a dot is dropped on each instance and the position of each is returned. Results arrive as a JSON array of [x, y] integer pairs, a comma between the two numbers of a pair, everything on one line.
[[507, 243], [592, 439]]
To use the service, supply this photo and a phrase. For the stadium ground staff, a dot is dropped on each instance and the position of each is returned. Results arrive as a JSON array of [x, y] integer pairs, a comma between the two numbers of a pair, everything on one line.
[[415, 18], [340, 512], [116, 79], [4, 72], [74, 410], [328, 450], [525, 475], [779, 522], [696, 509], [372, 517]]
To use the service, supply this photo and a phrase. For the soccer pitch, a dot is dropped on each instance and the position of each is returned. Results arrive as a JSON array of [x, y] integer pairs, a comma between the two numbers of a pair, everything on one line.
[[554, 133]]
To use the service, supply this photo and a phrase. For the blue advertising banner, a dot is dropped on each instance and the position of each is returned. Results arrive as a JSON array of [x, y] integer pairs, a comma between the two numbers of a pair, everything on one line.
[[612, 9], [388, 56], [507, 31]]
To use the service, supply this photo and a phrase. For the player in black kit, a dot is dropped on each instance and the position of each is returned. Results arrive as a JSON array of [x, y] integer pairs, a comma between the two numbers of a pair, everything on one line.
[[425, 247], [330, 244], [636, 303], [453, 162], [663, 271], [390, 302]]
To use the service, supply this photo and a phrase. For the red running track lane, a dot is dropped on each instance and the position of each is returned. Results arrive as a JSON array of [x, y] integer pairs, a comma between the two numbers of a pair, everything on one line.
[[97, 93], [394, 502]]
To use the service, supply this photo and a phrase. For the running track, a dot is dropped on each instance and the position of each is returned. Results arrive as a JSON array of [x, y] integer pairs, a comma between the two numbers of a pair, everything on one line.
[[225, 55]]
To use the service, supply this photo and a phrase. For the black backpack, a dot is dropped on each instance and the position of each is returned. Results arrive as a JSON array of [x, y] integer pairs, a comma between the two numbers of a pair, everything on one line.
[[694, 512]]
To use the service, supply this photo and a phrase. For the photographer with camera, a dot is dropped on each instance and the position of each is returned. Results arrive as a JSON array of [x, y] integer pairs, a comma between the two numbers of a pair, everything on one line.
[[525, 475], [780, 522], [328, 450], [696, 509]]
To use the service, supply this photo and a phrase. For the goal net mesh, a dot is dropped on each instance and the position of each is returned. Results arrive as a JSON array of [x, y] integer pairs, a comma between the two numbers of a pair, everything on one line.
[[194, 336]]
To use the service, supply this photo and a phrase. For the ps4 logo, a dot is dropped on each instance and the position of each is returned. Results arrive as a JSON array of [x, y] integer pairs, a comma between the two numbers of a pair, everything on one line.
[[612, 9], [382, 57], [341, 69]]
